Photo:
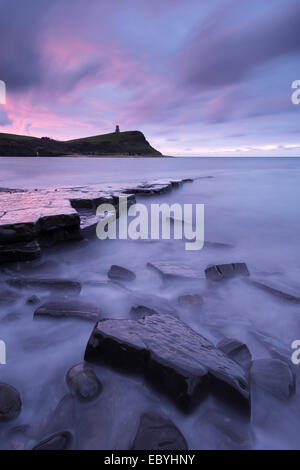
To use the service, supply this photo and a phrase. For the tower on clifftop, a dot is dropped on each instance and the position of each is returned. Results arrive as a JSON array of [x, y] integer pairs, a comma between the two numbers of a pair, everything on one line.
[[117, 129]]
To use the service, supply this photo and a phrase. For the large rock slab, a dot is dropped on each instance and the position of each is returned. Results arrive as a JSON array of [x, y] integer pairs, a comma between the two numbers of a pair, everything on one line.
[[10, 402], [51, 215], [157, 432], [171, 355], [68, 309], [226, 271]]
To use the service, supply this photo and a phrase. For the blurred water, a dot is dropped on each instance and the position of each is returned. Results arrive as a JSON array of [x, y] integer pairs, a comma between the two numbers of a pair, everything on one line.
[[250, 204]]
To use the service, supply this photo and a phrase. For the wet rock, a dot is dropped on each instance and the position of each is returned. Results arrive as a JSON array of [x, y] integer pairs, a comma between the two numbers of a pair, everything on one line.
[[171, 355], [141, 311], [169, 270], [237, 351], [278, 289], [59, 441], [157, 432], [143, 304], [68, 308], [33, 300], [190, 299], [10, 402], [22, 251], [121, 274], [226, 271], [275, 377], [64, 285], [83, 381]]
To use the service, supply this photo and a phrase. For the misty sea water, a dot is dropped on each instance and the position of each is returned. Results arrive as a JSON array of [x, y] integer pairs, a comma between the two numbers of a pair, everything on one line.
[[251, 208]]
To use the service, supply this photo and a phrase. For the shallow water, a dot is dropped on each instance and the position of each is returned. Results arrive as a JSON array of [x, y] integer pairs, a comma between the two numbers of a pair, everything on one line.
[[251, 205]]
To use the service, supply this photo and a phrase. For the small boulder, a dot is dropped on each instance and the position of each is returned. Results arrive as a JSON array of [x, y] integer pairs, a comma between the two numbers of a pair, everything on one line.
[[226, 271], [157, 432], [274, 376], [121, 274], [83, 381], [10, 402], [33, 300]]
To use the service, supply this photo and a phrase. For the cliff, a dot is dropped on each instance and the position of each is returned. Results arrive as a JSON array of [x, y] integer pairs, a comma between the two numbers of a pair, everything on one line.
[[129, 143]]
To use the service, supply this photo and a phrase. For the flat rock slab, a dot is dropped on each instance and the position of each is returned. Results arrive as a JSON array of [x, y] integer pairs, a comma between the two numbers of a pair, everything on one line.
[[68, 309], [157, 432], [64, 285], [10, 402], [226, 271], [278, 289], [47, 216], [170, 270], [171, 355], [275, 377]]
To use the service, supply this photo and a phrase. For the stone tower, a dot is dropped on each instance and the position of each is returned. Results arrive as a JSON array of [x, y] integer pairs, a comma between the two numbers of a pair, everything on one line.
[[117, 129]]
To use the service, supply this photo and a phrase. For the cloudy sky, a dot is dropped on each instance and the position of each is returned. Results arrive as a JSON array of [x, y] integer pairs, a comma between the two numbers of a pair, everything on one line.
[[198, 77]]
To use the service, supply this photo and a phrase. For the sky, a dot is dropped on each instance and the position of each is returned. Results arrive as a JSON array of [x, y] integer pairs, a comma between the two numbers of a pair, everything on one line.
[[198, 77]]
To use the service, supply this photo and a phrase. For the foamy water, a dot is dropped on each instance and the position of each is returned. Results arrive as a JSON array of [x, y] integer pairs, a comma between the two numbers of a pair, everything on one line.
[[250, 204]]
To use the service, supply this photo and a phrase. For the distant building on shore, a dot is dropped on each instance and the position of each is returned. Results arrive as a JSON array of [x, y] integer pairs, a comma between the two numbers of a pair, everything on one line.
[[117, 130]]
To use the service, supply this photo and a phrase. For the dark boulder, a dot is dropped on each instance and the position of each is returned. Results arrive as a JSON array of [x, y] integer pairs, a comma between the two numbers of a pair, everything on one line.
[[33, 300], [67, 309], [157, 432], [118, 273], [83, 381], [274, 376], [10, 402], [172, 356], [226, 271]]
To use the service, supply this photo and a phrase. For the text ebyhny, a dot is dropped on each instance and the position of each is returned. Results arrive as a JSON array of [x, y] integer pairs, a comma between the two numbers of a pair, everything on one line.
[[153, 459]]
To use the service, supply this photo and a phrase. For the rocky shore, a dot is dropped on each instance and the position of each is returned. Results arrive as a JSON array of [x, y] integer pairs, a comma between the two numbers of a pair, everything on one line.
[[182, 365]]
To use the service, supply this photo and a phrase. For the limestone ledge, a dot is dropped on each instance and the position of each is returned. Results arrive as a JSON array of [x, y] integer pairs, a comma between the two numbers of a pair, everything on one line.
[[34, 218]]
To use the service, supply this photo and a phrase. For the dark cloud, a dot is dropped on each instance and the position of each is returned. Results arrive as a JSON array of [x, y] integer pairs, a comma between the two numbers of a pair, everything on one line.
[[225, 50]]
